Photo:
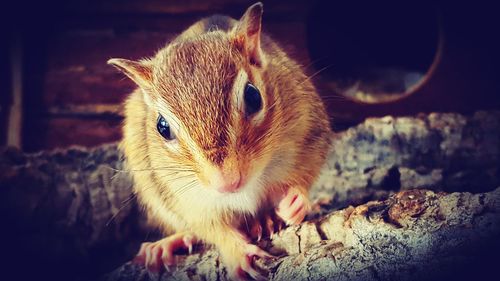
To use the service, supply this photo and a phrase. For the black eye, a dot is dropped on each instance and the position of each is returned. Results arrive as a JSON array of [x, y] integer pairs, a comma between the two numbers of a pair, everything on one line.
[[253, 100], [164, 128]]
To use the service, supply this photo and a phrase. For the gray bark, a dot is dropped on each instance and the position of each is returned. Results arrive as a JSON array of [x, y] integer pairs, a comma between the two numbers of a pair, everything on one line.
[[414, 235], [73, 211]]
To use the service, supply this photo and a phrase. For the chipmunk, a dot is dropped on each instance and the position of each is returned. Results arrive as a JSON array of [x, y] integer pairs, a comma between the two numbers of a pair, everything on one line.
[[223, 128]]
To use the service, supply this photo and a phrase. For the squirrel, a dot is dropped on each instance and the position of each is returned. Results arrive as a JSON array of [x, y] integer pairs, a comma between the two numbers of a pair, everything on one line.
[[224, 128]]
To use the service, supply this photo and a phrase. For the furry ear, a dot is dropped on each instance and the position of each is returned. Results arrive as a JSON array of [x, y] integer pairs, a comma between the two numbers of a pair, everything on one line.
[[247, 34], [138, 71]]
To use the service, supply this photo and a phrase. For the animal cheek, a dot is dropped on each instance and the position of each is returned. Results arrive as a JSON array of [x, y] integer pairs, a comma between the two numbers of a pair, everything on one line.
[[203, 179]]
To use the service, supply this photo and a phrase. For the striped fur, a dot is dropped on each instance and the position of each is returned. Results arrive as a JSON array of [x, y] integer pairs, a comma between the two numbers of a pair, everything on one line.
[[196, 82]]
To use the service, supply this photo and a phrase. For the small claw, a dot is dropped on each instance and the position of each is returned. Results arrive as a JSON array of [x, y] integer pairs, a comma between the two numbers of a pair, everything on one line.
[[148, 257], [247, 267], [140, 258], [188, 242], [245, 270], [259, 233], [255, 232], [153, 255], [151, 262], [270, 227], [142, 249], [167, 258], [256, 251]]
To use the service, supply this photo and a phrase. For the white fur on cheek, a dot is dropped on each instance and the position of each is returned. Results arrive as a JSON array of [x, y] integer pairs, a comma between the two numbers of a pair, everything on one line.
[[163, 212], [237, 92], [173, 145]]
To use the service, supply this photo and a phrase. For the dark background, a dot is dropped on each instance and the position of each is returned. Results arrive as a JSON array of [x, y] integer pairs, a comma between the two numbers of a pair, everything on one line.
[[70, 96]]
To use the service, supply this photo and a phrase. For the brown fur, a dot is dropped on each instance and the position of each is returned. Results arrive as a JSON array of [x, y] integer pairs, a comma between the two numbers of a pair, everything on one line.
[[192, 79]]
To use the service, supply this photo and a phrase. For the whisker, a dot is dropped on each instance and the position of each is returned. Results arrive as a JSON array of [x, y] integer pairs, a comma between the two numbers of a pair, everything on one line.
[[329, 98], [124, 203], [185, 188], [315, 73], [132, 196], [127, 202], [314, 61], [183, 176], [246, 223], [172, 168]]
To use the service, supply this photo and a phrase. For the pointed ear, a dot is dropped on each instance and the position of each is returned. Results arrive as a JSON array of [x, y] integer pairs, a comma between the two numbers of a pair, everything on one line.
[[247, 33], [139, 71]]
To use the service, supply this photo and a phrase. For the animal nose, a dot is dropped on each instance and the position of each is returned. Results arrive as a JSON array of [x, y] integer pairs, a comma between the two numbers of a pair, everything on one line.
[[229, 183]]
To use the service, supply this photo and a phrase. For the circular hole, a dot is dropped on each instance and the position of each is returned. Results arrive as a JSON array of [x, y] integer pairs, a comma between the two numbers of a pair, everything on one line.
[[373, 52]]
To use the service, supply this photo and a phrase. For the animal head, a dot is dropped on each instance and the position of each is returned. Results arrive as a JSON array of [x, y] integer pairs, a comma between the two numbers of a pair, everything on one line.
[[210, 107]]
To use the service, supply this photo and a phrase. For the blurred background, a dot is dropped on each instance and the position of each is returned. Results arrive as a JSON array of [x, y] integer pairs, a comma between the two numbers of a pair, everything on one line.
[[368, 58]]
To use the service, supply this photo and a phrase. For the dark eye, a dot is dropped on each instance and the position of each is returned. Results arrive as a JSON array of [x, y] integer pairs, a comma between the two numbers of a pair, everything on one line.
[[253, 100], [164, 128]]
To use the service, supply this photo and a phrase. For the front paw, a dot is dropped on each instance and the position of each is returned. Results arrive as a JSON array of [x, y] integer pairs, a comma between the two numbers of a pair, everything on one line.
[[241, 263], [265, 225], [155, 255], [293, 207]]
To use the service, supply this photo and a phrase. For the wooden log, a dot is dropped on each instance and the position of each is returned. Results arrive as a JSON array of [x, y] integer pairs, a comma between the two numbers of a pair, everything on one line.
[[72, 211], [414, 235]]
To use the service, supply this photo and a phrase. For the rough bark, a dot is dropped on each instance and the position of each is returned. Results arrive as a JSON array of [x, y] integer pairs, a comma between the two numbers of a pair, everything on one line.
[[414, 235], [73, 213], [439, 151]]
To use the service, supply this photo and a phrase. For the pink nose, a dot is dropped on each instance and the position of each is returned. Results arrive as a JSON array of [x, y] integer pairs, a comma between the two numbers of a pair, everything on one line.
[[231, 186]]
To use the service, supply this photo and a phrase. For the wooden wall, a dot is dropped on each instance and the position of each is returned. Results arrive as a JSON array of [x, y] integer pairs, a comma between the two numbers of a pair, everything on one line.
[[72, 97]]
